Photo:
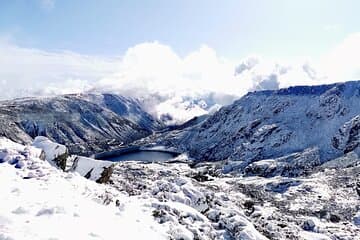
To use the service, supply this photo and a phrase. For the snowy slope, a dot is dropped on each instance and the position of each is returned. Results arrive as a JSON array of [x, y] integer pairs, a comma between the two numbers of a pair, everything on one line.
[[322, 205], [85, 123], [128, 108], [272, 124], [39, 201], [173, 201]]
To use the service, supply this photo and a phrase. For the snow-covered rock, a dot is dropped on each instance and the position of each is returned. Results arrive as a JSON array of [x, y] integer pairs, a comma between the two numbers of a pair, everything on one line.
[[97, 170], [357, 219], [348, 136], [238, 207], [189, 208], [350, 159], [294, 165], [55, 153], [15, 154]]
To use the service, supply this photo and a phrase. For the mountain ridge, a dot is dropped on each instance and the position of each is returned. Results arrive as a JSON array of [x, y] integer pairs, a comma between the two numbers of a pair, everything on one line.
[[275, 123], [86, 123]]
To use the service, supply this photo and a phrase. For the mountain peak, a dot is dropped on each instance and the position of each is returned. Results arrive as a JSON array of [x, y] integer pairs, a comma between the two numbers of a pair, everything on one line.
[[310, 90]]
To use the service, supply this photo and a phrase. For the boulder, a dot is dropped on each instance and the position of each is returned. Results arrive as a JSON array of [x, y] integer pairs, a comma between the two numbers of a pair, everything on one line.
[[348, 137], [357, 219], [54, 153], [96, 170], [308, 225]]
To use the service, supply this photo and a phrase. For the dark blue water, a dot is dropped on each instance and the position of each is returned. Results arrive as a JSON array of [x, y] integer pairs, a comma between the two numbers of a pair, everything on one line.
[[144, 156]]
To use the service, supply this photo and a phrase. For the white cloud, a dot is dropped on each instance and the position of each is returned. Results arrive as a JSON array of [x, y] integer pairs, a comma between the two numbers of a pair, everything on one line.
[[28, 72], [167, 83], [343, 62]]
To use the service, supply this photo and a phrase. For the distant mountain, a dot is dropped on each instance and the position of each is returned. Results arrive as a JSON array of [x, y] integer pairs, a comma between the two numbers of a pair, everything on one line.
[[86, 123], [272, 124]]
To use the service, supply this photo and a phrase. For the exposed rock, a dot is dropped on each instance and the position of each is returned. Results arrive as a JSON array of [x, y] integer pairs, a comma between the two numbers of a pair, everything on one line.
[[294, 165], [277, 207], [96, 170], [54, 153], [348, 137], [350, 159], [309, 225], [357, 219], [60, 160], [106, 174], [282, 186], [334, 218]]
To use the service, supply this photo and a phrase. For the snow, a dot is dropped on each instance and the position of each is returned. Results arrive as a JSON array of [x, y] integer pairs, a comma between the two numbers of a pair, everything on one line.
[[189, 209], [292, 165], [348, 160], [39, 201], [313, 236], [85, 123], [84, 165], [52, 150], [272, 124]]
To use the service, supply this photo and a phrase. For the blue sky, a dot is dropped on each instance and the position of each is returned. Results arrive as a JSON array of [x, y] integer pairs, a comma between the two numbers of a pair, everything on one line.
[[234, 28]]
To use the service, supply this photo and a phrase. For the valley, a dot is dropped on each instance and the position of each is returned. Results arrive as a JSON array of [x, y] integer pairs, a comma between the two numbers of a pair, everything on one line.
[[179, 120], [280, 164]]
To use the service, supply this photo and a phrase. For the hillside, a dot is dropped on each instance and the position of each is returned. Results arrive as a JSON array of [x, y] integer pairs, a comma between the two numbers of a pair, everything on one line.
[[272, 124], [85, 123]]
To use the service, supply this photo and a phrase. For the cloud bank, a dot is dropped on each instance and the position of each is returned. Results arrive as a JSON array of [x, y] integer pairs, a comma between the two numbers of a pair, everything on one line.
[[172, 87], [32, 72]]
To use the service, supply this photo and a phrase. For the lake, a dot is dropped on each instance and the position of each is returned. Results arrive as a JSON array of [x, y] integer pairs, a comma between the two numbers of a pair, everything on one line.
[[141, 155]]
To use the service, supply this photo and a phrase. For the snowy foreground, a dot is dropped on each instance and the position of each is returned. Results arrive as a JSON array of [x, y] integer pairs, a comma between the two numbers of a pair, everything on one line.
[[169, 201], [39, 201]]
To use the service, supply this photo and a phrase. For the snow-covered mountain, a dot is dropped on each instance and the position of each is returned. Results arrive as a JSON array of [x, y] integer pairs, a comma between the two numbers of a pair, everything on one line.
[[86, 123], [273, 165], [271, 124]]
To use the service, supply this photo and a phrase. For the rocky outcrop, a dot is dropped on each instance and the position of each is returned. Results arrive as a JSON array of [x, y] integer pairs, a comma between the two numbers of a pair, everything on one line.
[[96, 170], [323, 202], [294, 165], [60, 160], [56, 154], [191, 209], [348, 137], [106, 174], [350, 159]]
